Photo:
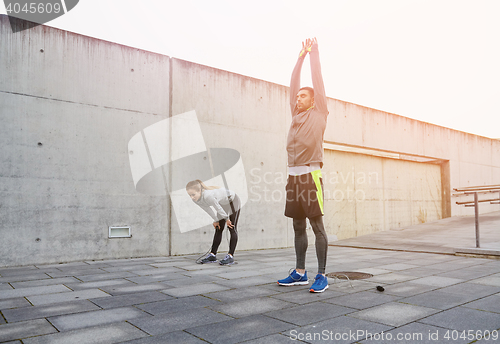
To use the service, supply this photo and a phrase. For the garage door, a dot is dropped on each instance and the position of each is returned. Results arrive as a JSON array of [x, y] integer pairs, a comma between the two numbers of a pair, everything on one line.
[[366, 194]]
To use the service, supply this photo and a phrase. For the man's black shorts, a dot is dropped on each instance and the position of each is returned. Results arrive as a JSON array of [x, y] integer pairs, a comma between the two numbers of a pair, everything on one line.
[[304, 195]]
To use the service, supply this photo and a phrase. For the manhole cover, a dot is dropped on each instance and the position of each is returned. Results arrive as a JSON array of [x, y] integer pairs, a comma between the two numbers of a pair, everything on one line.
[[349, 274]]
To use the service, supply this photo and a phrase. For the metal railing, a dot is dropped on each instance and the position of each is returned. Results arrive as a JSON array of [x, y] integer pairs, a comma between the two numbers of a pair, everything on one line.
[[475, 191]]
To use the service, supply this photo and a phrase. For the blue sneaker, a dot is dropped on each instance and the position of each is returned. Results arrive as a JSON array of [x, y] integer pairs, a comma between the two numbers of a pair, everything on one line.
[[320, 284], [294, 279]]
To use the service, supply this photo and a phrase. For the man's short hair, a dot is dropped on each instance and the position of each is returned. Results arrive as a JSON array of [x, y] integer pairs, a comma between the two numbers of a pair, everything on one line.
[[309, 89]]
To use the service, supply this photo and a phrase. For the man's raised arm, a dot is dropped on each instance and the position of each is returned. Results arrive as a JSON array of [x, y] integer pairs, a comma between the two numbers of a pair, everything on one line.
[[317, 79], [295, 82]]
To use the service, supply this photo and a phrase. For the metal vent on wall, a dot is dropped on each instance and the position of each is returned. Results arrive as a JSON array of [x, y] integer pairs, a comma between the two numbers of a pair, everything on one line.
[[120, 232]]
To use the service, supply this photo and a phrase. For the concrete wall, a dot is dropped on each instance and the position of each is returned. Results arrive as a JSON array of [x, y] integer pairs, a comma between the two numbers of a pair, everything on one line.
[[70, 104], [248, 115]]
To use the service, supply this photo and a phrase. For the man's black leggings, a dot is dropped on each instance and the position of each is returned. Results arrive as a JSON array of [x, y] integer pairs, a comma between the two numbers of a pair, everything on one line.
[[299, 226], [233, 231]]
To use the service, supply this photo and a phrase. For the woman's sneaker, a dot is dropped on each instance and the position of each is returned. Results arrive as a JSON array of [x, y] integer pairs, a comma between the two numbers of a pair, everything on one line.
[[227, 261], [320, 284], [294, 279], [211, 258]]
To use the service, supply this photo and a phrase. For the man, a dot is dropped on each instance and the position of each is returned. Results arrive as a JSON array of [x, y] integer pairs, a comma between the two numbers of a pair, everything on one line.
[[305, 159]]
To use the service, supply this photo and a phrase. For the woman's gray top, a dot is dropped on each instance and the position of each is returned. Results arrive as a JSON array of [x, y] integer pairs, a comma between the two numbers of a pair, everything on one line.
[[216, 198]]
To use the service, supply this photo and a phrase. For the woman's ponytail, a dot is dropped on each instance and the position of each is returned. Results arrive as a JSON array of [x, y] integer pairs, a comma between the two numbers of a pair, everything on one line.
[[199, 185]]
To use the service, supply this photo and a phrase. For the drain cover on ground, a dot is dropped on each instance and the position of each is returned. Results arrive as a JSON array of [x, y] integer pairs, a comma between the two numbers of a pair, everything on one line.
[[351, 274]]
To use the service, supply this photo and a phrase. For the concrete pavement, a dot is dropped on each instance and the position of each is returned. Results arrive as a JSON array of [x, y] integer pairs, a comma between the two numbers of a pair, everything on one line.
[[451, 235], [433, 297]]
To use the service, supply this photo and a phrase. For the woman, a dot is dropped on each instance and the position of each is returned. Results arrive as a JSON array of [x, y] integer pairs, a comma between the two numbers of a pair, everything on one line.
[[227, 206]]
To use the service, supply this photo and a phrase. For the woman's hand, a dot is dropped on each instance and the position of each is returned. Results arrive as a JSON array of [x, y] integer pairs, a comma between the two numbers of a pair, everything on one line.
[[216, 224], [229, 224]]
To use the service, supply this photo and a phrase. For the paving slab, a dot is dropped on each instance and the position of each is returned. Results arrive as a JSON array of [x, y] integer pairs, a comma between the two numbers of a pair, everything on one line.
[[39, 300], [35, 312], [274, 339], [362, 300], [344, 267], [462, 263], [209, 272], [62, 265], [439, 299], [240, 293], [378, 262], [489, 303], [95, 318], [414, 333], [337, 330], [156, 278], [169, 338], [253, 306], [140, 268], [408, 289], [392, 277], [174, 263], [107, 334], [238, 274], [464, 319], [354, 286], [489, 280], [467, 273], [5, 286], [398, 266], [301, 295], [25, 329], [204, 268], [98, 263], [13, 271], [178, 305], [182, 281], [394, 313], [246, 282], [374, 271], [106, 276], [310, 313], [19, 277], [51, 289], [135, 288], [422, 261], [470, 288], [45, 282], [437, 281], [130, 299], [196, 289], [99, 284], [159, 271], [14, 303], [75, 272], [240, 330], [171, 322]]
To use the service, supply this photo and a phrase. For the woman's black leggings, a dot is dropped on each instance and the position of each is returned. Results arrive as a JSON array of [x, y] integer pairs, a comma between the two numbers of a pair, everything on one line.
[[233, 231], [299, 226]]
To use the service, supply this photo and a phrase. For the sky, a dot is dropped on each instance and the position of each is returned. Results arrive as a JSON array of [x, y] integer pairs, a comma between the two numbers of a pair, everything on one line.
[[436, 61]]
